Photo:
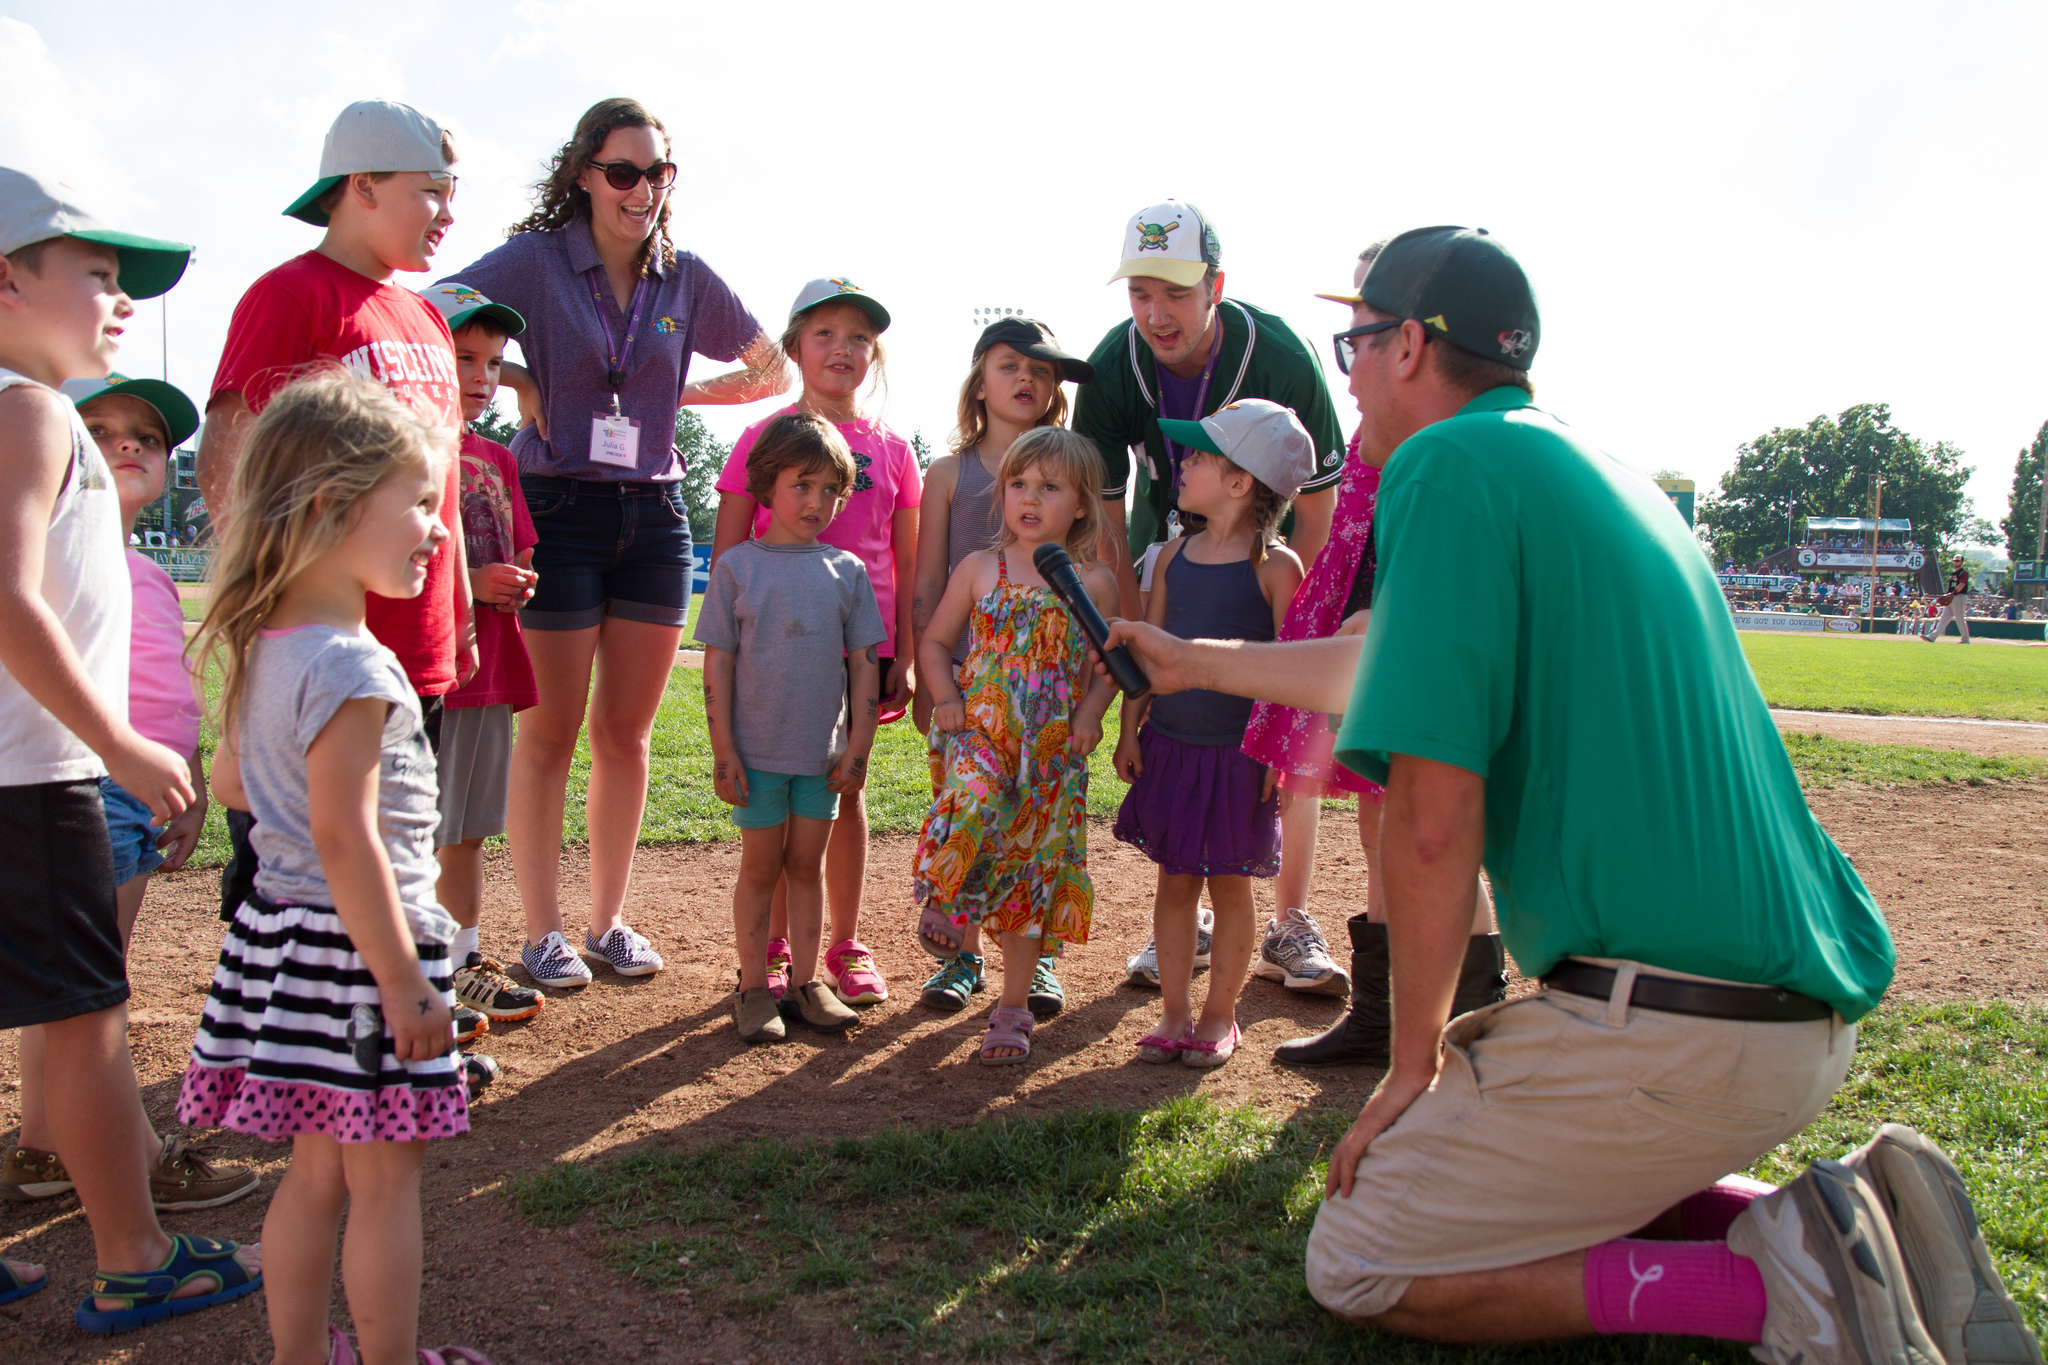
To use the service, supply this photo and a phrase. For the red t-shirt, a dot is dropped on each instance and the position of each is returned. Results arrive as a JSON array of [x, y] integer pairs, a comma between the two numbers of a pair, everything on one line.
[[495, 530], [311, 307]]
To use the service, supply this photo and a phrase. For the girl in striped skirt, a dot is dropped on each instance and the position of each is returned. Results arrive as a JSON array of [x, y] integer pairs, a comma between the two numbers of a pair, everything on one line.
[[328, 1023]]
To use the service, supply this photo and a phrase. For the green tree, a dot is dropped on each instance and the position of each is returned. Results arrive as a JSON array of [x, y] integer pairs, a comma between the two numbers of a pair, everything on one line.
[[921, 448], [495, 425], [2022, 525], [703, 456], [1826, 465]]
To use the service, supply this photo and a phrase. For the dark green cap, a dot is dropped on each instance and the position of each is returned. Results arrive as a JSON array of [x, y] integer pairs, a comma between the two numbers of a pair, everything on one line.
[[1462, 285]]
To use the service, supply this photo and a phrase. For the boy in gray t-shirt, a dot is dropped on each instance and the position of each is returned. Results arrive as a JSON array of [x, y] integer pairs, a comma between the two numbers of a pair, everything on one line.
[[787, 624]]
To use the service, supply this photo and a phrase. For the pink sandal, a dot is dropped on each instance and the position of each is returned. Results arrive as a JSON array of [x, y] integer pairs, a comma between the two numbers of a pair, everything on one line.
[[1007, 1028], [1202, 1052], [1157, 1048], [932, 922], [341, 1350]]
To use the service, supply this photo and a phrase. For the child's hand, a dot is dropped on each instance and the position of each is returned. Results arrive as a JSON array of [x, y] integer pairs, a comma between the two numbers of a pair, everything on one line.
[[422, 1028], [155, 774], [1128, 764], [181, 836], [730, 780], [950, 716], [849, 774], [921, 711], [504, 586], [897, 686], [1272, 781], [1083, 736]]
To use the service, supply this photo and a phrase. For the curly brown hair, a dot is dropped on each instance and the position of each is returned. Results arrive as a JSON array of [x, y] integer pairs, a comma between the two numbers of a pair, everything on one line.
[[559, 201]]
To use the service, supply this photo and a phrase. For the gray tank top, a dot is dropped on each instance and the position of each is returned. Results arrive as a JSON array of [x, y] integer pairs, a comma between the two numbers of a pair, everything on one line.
[[972, 522], [1210, 602]]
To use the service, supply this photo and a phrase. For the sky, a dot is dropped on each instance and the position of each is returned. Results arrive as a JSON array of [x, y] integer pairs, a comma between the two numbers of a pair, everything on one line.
[[1737, 217]]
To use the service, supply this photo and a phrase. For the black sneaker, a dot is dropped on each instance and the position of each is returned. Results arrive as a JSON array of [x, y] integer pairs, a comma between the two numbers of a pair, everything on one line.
[[478, 1071], [481, 984], [468, 1024]]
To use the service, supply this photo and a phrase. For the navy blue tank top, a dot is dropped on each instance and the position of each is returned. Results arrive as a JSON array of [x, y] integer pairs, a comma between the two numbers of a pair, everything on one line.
[[1210, 602]]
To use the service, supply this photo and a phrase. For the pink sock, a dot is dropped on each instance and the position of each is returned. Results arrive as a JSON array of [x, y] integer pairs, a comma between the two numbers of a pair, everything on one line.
[[1708, 1215], [1684, 1289]]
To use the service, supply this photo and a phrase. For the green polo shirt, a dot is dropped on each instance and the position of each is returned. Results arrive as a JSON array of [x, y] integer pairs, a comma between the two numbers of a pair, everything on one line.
[[1261, 357], [1543, 618]]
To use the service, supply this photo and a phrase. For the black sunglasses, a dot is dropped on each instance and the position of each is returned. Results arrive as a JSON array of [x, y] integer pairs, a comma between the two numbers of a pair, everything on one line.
[[624, 175], [1346, 342]]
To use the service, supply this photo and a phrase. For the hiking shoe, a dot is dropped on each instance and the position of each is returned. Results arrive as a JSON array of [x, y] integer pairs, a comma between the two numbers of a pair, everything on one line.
[[28, 1174], [184, 1177], [818, 1008], [481, 984], [627, 951], [1143, 968], [778, 967], [1046, 998], [850, 967], [957, 980], [468, 1024], [1965, 1305], [552, 962], [1294, 953], [478, 1071], [756, 1016], [1834, 1283]]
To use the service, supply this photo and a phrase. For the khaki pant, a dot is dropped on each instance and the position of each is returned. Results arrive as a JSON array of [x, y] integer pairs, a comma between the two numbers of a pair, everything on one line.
[[1558, 1122], [1958, 611]]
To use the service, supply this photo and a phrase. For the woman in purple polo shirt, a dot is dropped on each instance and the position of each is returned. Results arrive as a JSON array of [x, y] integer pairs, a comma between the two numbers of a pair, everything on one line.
[[613, 314]]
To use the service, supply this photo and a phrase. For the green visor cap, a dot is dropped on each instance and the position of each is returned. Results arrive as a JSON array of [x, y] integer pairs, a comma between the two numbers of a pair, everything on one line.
[[1193, 435], [149, 266], [181, 419], [1462, 285]]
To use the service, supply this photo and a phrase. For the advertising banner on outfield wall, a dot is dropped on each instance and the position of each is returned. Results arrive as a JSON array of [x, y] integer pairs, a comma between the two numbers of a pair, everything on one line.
[[1787, 621]]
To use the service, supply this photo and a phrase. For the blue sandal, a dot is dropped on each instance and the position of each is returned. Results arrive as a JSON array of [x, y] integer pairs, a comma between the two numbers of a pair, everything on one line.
[[13, 1287], [150, 1293], [957, 980]]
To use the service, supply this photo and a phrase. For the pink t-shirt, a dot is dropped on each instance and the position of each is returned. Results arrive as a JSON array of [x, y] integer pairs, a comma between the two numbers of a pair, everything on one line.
[[888, 481], [495, 530], [161, 704]]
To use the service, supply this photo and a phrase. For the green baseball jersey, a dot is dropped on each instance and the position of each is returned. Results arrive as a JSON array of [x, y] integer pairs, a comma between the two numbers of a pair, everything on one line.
[[1544, 618]]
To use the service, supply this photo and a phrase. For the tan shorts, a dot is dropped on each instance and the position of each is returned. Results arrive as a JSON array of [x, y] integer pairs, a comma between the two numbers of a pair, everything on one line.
[[1558, 1122]]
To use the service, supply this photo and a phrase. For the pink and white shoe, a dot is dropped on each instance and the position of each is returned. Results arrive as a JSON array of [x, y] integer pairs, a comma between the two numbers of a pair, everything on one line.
[[850, 967], [778, 967]]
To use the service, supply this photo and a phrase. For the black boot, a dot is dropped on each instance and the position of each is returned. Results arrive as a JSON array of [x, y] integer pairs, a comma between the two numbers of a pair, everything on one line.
[[1483, 980], [1360, 1038]]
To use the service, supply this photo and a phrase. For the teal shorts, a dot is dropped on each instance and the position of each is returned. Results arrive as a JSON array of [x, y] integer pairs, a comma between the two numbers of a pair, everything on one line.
[[774, 797]]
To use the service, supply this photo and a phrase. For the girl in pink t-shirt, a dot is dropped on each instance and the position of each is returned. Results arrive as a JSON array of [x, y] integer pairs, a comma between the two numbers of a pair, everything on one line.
[[834, 335]]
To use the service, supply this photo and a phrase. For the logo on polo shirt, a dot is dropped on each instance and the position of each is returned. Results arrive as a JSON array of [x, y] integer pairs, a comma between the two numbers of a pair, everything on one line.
[[1152, 236], [1514, 343], [665, 324]]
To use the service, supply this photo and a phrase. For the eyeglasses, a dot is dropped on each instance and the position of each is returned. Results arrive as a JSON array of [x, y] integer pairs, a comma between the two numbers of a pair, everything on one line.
[[624, 175], [1347, 342]]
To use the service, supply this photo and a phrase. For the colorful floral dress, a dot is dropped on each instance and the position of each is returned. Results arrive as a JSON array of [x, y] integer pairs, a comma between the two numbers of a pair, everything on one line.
[[1006, 843]]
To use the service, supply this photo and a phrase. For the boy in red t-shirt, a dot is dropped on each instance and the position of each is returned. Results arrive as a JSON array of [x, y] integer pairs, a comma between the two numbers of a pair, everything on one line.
[[476, 724]]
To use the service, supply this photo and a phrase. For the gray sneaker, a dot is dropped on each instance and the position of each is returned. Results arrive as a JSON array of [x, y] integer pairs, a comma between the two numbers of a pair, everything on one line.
[[1834, 1284], [1966, 1307], [1143, 967], [552, 962], [1295, 954]]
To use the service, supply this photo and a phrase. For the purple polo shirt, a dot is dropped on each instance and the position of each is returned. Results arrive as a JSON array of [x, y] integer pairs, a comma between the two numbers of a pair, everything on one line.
[[687, 308]]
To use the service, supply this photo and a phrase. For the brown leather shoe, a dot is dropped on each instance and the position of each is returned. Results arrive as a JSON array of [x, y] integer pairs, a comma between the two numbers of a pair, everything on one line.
[[185, 1177], [28, 1174]]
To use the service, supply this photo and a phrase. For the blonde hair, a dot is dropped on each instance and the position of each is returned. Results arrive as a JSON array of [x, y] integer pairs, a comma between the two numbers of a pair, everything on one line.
[[1066, 455], [802, 441], [792, 340], [972, 425], [324, 443]]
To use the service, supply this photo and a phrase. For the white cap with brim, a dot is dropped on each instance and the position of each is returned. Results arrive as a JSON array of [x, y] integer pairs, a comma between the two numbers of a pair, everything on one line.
[[180, 418], [369, 136], [839, 291], [1170, 241], [461, 305], [1264, 439], [35, 210]]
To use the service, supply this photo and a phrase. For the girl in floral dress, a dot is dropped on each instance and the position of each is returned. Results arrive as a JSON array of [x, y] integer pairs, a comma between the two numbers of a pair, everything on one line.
[[1006, 844]]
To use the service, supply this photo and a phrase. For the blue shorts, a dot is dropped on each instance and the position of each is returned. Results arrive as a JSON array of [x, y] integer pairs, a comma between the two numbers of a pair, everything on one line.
[[617, 549], [774, 797], [130, 832]]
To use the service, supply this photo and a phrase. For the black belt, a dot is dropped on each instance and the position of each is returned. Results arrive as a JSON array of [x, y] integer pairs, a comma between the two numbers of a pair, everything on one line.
[[1754, 1004]]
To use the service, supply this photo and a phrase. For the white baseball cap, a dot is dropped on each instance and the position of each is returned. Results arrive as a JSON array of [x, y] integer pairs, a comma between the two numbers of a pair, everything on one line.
[[1264, 439], [373, 135], [1170, 241], [839, 291], [35, 210]]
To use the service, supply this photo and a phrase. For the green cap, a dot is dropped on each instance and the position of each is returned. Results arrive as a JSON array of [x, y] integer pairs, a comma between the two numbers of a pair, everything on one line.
[[181, 419], [1462, 285]]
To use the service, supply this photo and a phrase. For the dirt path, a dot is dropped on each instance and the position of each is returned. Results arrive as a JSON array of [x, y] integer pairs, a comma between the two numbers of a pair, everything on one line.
[[656, 1060], [1989, 738]]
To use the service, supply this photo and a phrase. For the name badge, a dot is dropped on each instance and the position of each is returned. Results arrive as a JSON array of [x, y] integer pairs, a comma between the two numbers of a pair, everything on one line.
[[615, 440]]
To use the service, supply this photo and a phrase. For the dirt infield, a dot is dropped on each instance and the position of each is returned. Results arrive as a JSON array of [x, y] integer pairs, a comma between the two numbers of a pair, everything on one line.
[[1962, 874], [1986, 737]]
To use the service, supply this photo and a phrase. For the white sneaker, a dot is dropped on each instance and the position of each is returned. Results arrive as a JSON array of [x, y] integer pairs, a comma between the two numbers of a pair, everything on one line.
[[1143, 967], [552, 962], [627, 951], [1295, 954]]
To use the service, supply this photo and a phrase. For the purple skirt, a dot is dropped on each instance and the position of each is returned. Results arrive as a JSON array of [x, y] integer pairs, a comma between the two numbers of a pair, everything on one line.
[[1196, 811]]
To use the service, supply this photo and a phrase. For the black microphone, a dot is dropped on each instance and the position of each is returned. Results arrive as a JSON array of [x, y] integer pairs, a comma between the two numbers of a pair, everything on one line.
[[1057, 569]]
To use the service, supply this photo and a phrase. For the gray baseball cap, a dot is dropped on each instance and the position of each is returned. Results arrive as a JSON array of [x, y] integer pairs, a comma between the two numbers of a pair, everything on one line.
[[458, 303], [839, 291], [33, 210], [1262, 438], [372, 135]]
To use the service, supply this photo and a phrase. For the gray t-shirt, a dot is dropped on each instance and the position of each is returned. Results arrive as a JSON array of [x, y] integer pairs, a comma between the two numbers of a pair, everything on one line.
[[298, 679], [791, 613]]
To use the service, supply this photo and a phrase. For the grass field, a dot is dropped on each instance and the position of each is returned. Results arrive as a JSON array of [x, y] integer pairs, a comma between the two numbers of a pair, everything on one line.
[[1883, 675], [1176, 1233]]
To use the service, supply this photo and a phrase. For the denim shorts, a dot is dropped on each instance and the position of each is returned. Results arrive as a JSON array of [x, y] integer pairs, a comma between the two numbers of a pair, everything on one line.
[[774, 797], [606, 548], [128, 829]]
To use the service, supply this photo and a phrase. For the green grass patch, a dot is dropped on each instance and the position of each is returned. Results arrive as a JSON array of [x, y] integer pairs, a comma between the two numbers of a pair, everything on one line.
[[1824, 762], [1177, 1232], [1883, 675]]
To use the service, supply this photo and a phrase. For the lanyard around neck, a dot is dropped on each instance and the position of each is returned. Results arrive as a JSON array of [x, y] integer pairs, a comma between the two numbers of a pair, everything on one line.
[[1176, 453], [619, 357]]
